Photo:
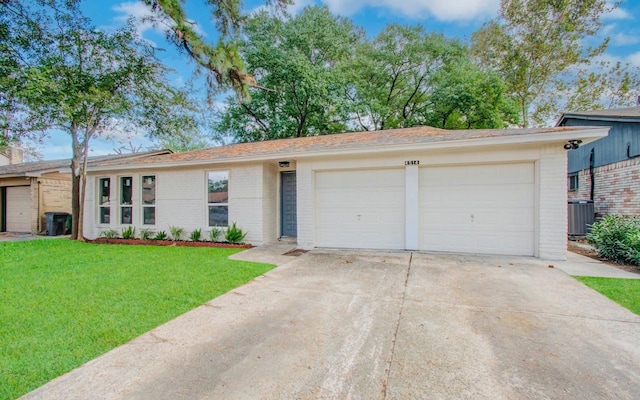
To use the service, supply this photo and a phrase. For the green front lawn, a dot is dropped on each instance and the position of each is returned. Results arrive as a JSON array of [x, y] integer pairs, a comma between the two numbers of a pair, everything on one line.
[[625, 292], [62, 303]]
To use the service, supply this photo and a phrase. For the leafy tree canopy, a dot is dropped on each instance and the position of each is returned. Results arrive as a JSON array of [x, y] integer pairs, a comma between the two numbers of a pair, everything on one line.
[[297, 60], [544, 51]]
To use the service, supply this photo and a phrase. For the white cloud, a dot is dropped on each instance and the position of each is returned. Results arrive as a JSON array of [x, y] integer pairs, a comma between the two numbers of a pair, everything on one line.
[[445, 10], [622, 39], [634, 59], [617, 13]]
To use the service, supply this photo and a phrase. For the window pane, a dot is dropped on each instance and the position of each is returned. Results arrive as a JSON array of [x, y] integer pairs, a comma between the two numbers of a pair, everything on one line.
[[149, 215], [218, 187], [105, 191], [105, 215], [125, 190], [149, 189], [126, 217], [218, 215]]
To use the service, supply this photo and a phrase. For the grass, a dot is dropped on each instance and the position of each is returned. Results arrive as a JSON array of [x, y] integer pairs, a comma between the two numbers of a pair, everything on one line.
[[625, 292], [63, 303]]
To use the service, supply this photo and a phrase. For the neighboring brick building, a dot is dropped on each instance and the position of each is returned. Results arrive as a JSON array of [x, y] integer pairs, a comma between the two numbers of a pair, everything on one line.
[[29, 190], [607, 170]]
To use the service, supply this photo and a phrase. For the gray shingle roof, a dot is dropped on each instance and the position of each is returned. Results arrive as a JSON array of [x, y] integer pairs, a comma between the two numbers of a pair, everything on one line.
[[630, 113], [335, 142]]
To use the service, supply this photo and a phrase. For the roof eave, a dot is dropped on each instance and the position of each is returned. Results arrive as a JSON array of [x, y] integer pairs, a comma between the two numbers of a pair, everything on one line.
[[586, 135], [608, 118]]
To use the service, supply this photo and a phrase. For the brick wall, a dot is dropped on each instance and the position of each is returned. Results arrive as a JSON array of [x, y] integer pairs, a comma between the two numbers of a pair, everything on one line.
[[55, 195], [617, 188]]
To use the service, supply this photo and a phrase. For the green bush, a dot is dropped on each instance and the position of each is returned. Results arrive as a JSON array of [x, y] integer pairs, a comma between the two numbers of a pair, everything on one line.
[[146, 233], [129, 232], [162, 235], [234, 234], [176, 232], [214, 234], [110, 234], [617, 238], [196, 235]]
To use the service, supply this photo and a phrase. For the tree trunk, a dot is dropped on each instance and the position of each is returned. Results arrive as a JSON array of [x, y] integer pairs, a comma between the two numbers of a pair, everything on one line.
[[75, 184], [83, 185], [75, 198]]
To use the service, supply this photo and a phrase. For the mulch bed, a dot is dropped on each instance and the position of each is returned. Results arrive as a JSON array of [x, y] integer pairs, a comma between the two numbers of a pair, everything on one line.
[[594, 254], [181, 243]]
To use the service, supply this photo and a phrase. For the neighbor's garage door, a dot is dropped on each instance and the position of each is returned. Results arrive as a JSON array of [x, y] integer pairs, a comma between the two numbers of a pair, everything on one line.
[[18, 206], [478, 209], [360, 209]]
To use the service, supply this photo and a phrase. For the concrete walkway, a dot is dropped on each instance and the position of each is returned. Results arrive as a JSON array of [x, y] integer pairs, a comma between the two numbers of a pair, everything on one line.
[[579, 265], [367, 325]]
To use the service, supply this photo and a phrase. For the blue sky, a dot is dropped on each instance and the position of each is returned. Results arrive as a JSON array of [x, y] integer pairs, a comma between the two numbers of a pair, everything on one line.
[[454, 18]]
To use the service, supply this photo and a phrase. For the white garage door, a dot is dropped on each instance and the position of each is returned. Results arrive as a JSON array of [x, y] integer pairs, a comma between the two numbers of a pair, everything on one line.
[[360, 209], [18, 206], [478, 209]]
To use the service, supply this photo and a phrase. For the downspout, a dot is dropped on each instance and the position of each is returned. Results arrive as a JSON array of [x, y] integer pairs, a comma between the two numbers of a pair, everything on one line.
[[39, 225], [591, 175]]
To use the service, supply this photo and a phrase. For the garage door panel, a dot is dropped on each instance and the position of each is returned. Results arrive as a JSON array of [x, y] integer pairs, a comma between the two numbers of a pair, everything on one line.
[[477, 209], [478, 174], [360, 209], [376, 198], [18, 209], [358, 179]]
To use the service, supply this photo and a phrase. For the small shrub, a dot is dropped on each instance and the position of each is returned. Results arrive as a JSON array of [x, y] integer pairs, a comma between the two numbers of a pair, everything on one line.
[[110, 234], [234, 234], [176, 232], [162, 235], [129, 232], [146, 233], [617, 238], [215, 233], [196, 235]]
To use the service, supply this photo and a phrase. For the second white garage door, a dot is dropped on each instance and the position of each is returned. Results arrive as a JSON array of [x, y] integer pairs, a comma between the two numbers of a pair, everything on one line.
[[18, 206], [478, 209], [360, 209]]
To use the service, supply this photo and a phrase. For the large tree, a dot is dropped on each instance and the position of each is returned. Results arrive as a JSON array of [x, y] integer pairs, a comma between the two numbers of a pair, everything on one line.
[[466, 97], [533, 42], [297, 61], [392, 75], [87, 82]]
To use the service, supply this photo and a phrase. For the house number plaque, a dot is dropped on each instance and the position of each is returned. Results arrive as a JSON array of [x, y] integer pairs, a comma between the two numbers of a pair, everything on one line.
[[412, 162]]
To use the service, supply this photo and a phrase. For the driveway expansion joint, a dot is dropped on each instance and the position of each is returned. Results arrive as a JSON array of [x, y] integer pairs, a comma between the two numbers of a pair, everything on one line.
[[397, 328]]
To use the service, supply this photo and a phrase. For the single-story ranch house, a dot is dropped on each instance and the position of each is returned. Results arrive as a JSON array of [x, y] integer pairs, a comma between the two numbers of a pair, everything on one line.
[[472, 191]]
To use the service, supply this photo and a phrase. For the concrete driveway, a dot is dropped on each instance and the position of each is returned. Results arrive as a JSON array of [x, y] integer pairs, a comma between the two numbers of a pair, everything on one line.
[[334, 324]]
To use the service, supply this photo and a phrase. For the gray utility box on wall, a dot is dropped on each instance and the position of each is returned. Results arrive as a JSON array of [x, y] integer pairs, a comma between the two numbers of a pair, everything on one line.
[[581, 217]]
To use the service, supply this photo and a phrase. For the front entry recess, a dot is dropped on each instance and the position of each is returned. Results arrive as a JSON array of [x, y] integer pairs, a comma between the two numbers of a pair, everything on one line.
[[289, 218]]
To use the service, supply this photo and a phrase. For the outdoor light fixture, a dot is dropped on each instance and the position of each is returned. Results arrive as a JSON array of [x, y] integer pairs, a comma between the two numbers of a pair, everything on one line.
[[283, 164], [572, 144]]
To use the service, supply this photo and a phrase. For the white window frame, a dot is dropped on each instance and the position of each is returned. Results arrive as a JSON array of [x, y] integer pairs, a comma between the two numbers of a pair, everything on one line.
[[142, 203], [574, 178], [106, 205], [216, 204], [121, 204]]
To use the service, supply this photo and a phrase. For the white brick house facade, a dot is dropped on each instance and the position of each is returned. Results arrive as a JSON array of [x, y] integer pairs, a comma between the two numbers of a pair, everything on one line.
[[367, 190]]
